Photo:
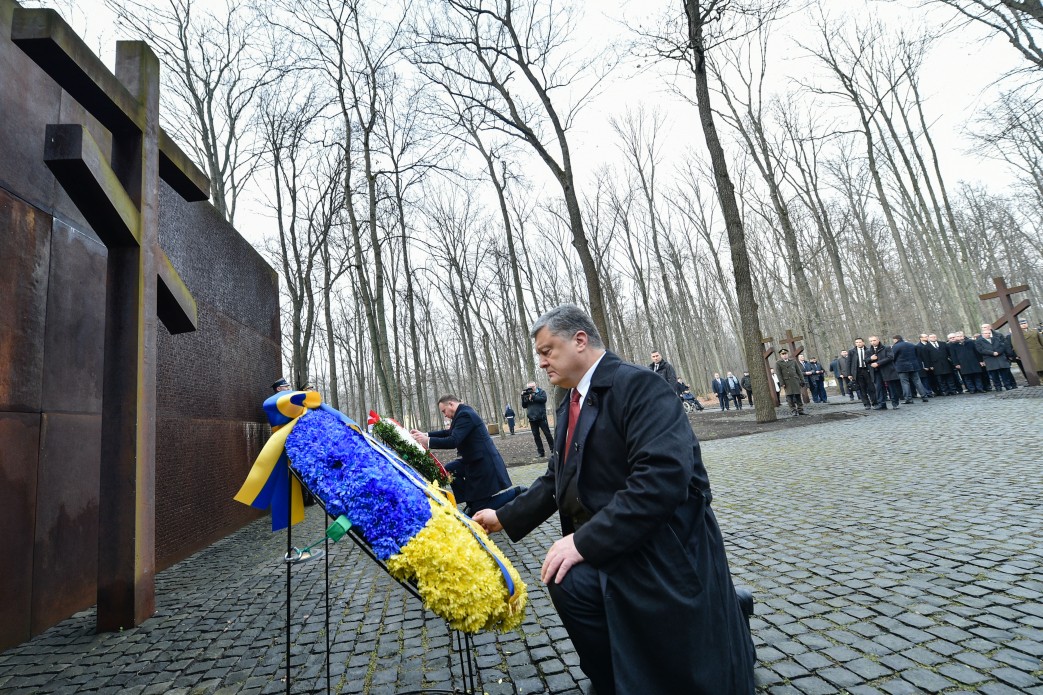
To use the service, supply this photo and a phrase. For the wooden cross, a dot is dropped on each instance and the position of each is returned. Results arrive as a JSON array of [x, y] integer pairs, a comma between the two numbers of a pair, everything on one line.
[[767, 352], [119, 197], [791, 340], [1010, 315]]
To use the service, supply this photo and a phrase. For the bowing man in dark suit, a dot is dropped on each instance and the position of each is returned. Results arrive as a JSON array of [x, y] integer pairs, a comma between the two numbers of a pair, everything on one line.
[[640, 577], [479, 474]]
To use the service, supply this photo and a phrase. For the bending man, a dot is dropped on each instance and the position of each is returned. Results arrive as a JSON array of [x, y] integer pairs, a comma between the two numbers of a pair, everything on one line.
[[641, 568]]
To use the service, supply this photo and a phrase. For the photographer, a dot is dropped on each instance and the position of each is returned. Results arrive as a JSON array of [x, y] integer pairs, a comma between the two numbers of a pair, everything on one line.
[[534, 400]]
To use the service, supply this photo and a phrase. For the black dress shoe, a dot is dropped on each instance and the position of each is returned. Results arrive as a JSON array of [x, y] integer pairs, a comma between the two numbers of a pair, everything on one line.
[[926, 400], [879, 407], [909, 401], [745, 597]]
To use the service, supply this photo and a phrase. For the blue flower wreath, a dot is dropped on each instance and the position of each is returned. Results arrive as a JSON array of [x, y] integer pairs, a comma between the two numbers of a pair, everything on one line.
[[340, 466]]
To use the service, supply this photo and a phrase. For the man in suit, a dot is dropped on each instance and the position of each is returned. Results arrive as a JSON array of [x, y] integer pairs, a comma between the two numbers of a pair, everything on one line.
[[534, 400], [837, 366], [808, 370], [859, 373], [640, 577], [734, 389], [967, 363], [663, 368], [908, 364], [885, 376], [927, 375], [993, 351], [936, 359], [479, 474], [818, 381], [747, 386], [721, 390]]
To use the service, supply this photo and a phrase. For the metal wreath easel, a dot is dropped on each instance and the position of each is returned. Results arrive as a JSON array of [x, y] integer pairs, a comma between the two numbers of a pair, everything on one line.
[[461, 644]]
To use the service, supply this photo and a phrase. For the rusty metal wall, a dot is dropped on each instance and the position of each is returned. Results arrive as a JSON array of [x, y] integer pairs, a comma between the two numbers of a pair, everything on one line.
[[52, 287]]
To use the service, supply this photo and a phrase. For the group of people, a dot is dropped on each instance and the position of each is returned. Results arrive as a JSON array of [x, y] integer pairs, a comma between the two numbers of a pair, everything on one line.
[[899, 372], [641, 563]]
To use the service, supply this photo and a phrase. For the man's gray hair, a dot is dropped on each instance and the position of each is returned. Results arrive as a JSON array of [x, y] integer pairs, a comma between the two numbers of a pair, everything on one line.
[[567, 320]]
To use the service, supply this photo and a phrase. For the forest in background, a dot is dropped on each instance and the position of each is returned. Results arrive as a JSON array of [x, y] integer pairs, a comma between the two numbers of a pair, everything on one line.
[[417, 165]]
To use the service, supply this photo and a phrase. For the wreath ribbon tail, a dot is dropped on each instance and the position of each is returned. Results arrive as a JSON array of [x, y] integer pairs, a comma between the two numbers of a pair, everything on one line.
[[265, 485]]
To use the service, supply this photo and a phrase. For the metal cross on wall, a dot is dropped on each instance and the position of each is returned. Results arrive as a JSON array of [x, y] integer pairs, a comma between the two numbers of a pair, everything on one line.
[[119, 197], [1010, 315]]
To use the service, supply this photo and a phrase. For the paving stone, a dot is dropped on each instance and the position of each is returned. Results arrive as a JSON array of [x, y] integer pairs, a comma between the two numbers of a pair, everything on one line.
[[873, 574]]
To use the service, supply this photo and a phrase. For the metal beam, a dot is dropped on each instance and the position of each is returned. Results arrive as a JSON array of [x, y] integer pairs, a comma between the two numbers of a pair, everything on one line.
[[54, 46]]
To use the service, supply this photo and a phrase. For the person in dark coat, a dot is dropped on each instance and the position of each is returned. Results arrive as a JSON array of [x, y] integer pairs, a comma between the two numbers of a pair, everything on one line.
[[534, 400], [791, 378], [509, 415], [747, 386], [927, 376], [721, 390], [885, 376], [860, 373], [479, 474], [1033, 359], [993, 351], [640, 576], [1006, 376], [731, 383], [936, 360], [837, 367], [818, 381], [663, 368], [908, 366], [967, 363]]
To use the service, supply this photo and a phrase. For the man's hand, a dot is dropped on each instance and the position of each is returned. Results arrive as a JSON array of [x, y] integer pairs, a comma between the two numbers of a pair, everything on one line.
[[487, 519], [421, 438], [561, 557]]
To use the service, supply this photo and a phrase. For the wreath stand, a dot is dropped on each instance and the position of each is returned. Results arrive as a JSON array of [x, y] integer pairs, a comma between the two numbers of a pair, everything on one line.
[[461, 644]]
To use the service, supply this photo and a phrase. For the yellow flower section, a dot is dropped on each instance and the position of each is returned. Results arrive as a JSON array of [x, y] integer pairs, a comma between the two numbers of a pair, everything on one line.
[[456, 577]]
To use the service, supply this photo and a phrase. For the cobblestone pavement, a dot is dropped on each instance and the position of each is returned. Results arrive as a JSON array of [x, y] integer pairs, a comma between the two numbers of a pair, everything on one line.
[[900, 552]]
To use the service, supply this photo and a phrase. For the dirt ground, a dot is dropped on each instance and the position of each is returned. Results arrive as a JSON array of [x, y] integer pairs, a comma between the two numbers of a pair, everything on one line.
[[711, 423]]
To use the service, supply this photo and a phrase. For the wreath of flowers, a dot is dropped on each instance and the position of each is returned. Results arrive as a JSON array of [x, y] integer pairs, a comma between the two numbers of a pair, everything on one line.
[[401, 442], [459, 573]]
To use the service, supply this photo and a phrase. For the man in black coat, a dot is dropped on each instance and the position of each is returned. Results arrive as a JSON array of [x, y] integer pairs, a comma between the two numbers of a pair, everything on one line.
[[907, 363], [936, 359], [837, 367], [967, 363], [859, 373], [479, 474], [721, 390], [663, 368], [640, 576], [927, 375], [747, 386], [885, 376], [534, 400]]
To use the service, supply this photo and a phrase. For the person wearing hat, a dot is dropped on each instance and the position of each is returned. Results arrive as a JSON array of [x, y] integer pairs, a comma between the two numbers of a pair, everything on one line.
[[1034, 340], [281, 385]]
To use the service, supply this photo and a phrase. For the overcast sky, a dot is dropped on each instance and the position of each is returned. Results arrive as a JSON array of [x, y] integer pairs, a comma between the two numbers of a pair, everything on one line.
[[957, 80]]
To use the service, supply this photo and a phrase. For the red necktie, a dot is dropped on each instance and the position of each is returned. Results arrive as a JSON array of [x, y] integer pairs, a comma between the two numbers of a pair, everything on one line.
[[573, 419]]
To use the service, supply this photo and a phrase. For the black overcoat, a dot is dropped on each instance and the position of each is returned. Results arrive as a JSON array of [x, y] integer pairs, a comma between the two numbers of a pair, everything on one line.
[[986, 347], [482, 472], [674, 622], [965, 356], [886, 361], [937, 357]]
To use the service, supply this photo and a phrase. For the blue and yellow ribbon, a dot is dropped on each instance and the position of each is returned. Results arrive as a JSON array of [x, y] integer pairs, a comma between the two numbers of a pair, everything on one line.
[[266, 484]]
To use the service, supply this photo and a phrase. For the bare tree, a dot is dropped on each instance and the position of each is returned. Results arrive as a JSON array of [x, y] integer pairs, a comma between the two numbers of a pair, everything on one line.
[[217, 63], [512, 59], [1020, 22], [707, 22]]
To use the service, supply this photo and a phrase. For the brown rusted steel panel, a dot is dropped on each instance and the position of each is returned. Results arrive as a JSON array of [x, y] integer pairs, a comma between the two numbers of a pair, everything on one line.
[[25, 239], [55, 47], [20, 434], [75, 343], [65, 555]]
